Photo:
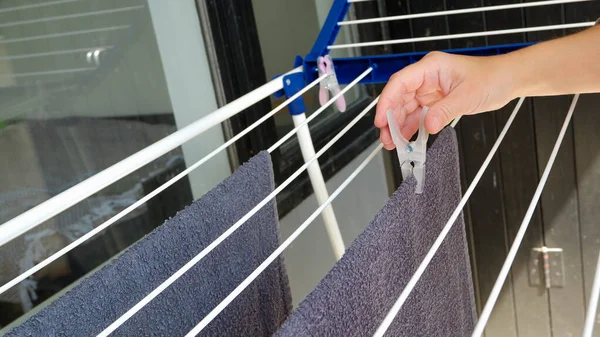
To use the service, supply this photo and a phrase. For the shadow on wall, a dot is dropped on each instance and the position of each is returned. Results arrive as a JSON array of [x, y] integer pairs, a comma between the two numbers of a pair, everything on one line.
[[565, 218]]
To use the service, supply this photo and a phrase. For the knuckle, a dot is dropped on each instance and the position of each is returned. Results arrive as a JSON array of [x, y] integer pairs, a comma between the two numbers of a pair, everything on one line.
[[396, 76], [435, 56]]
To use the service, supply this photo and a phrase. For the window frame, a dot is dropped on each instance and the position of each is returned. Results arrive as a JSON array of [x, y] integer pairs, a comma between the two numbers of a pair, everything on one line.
[[236, 74]]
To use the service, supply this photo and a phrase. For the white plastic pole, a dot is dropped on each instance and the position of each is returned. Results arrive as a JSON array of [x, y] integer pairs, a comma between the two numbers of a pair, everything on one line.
[[48, 209], [465, 35], [512, 253], [318, 184], [590, 317], [458, 11]]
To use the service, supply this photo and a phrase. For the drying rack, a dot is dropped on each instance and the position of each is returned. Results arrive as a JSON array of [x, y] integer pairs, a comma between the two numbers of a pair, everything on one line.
[[305, 76]]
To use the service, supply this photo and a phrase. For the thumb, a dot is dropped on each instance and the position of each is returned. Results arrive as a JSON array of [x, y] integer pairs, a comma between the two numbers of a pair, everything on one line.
[[445, 110]]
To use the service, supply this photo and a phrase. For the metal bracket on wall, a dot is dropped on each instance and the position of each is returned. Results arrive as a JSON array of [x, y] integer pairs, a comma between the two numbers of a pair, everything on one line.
[[546, 267]]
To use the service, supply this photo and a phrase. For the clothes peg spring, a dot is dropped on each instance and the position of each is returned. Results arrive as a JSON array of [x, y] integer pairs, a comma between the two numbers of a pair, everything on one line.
[[329, 84], [411, 155]]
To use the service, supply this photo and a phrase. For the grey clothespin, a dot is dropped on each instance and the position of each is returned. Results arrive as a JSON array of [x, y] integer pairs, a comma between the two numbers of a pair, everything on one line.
[[412, 155]]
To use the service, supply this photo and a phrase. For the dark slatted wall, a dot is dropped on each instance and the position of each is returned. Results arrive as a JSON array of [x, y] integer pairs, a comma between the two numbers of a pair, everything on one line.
[[568, 216]]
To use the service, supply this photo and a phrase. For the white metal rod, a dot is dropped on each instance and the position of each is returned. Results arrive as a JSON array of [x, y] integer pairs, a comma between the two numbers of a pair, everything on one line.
[[69, 16], [320, 110], [154, 193], [489, 305], [52, 53], [42, 4], [590, 317], [72, 33], [48, 209], [459, 11], [389, 318], [242, 286], [115, 325], [455, 121], [45, 73], [319, 186], [464, 35]]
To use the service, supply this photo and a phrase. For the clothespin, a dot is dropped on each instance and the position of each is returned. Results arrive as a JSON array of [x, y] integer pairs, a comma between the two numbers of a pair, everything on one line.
[[411, 155], [329, 84]]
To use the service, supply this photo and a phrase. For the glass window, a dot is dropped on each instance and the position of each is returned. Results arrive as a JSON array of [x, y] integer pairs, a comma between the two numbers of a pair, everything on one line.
[[82, 86]]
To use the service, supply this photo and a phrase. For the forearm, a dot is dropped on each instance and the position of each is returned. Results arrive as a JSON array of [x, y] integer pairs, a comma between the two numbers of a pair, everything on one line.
[[562, 66]]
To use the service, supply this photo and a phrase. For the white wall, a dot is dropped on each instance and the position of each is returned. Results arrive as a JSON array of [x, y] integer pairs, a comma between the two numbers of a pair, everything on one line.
[[310, 257], [190, 86]]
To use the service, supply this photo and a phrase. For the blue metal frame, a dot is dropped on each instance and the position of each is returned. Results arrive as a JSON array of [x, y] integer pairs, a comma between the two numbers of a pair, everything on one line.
[[330, 30], [348, 69]]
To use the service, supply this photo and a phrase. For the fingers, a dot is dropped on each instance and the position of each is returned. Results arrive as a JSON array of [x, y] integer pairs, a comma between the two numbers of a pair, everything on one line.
[[445, 110], [400, 90], [411, 125], [386, 139], [385, 135]]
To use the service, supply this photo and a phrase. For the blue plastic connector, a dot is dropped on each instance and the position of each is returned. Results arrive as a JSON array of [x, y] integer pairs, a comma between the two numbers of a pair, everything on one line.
[[384, 66], [292, 84]]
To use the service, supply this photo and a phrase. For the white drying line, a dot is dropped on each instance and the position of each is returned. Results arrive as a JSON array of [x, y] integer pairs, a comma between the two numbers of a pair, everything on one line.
[[64, 34], [458, 11], [116, 324], [66, 199], [46, 73], [52, 53], [152, 194], [455, 121], [464, 35], [242, 286], [43, 4], [389, 318], [590, 317], [320, 110], [489, 305], [69, 16]]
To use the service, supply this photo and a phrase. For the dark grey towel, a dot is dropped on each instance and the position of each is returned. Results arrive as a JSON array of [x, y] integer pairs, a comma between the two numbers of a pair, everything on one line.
[[103, 297], [358, 292]]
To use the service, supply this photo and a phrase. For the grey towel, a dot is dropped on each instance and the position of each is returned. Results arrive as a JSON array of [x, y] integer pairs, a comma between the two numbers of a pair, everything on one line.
[[103, 297], [359, 290]]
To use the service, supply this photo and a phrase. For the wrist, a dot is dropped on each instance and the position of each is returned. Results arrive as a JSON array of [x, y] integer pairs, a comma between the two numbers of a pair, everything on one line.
[[508, 77], [518, 70]]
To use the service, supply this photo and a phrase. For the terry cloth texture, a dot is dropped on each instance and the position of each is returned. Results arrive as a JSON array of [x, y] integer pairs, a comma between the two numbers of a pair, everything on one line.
[[103, 297], [357, 293], [50, 156]]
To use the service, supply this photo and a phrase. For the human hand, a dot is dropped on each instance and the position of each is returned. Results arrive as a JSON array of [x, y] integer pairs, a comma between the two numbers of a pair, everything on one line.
[[450, 85]]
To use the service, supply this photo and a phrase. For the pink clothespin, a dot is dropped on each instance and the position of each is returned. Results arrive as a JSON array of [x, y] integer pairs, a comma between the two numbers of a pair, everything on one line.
[[329, 84]]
